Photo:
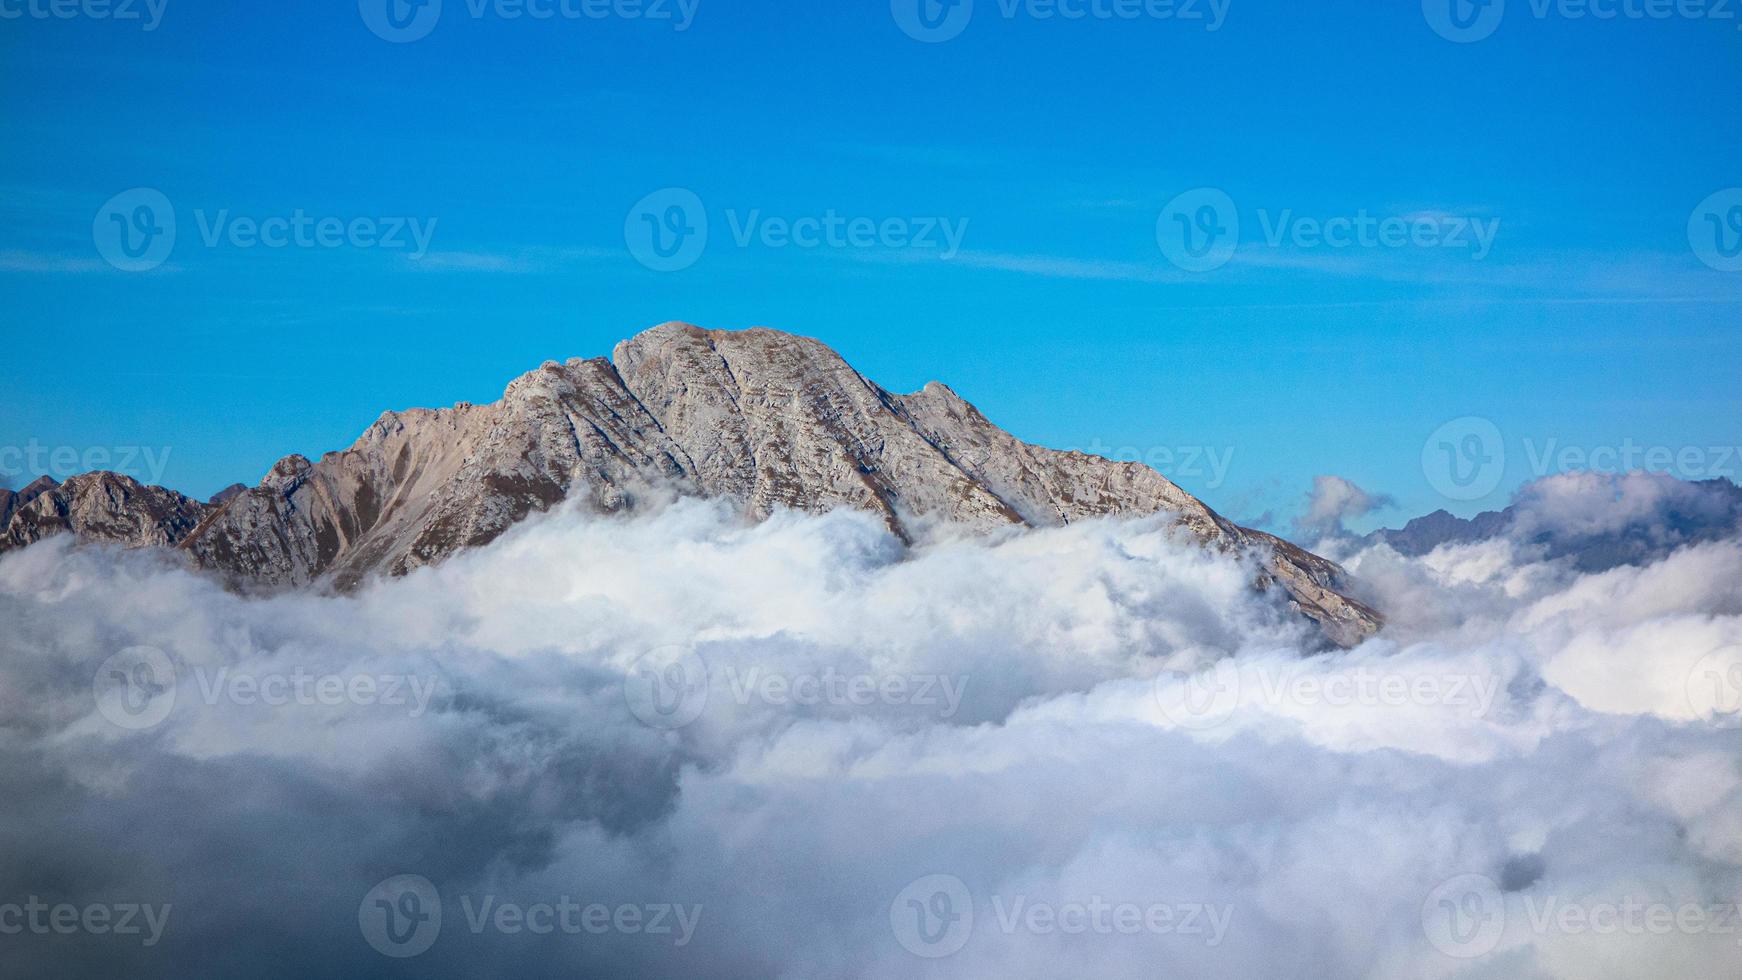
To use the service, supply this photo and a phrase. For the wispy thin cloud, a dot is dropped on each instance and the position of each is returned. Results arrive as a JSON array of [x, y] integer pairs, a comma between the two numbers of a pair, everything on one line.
[[1062, 267], [1542, 277], [962, 158], [46, 263], [520, 261]]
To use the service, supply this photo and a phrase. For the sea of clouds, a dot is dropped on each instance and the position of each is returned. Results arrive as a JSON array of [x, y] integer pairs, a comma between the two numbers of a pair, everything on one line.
[[680, 745]]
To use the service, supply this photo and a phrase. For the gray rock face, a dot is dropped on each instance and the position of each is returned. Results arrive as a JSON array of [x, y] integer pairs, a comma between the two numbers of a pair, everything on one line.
[[99, 506], [764, 418], [12, 500], [223, 496]]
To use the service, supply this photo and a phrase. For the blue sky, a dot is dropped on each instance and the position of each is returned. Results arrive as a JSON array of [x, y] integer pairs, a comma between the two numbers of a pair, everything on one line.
[[1057, 148]]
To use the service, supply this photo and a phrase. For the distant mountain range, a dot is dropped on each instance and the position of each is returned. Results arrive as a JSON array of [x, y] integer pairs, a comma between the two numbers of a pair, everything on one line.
[[1594, 521], [765, 418]]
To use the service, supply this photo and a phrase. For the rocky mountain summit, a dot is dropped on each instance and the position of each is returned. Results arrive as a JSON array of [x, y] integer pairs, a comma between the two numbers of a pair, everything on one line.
[[764, 418], [99, 506]]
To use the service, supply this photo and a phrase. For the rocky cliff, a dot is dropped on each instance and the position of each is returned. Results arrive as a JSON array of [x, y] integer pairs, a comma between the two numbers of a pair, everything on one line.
[[764, 418]]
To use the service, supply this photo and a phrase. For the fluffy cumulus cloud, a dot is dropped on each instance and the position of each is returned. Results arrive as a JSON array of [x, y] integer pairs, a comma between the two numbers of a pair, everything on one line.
[[1334, 500], [1606, 519], [677, 745]]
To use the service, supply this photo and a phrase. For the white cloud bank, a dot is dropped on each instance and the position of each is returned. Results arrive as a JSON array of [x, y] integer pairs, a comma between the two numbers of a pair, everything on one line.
[[980, 750]]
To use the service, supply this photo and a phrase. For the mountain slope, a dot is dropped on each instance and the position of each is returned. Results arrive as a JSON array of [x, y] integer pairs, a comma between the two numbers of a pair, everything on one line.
[[761, 417]]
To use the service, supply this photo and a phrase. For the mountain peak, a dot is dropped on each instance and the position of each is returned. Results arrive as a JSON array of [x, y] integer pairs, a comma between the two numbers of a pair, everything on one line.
[[764, 418]]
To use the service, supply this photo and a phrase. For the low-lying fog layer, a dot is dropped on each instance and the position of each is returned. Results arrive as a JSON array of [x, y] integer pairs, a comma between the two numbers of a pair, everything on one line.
[[675, 745]]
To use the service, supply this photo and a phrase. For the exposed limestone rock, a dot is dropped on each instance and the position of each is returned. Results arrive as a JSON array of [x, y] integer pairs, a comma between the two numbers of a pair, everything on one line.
[[100, 507], [761, 417]]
